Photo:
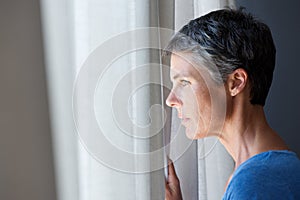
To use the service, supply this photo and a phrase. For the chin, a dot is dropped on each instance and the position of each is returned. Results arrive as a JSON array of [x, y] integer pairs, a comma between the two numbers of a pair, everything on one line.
[[193, 135]]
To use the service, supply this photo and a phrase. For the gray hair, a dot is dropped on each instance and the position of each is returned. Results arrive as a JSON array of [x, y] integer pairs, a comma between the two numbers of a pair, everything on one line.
[[225, 40], [218, 69]]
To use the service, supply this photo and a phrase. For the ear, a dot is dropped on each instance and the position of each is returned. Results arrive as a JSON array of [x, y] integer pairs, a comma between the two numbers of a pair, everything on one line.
[[237, 81]]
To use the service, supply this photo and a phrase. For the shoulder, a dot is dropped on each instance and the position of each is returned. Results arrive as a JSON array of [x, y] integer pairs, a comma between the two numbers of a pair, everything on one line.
[[266, 176], [247, 184]]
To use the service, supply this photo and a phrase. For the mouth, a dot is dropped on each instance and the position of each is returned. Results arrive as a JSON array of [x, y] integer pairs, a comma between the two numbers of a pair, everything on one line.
[[185, 121], [179, 115]]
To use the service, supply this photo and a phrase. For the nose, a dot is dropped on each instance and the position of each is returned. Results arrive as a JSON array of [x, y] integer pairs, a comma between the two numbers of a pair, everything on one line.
[[173, 100]]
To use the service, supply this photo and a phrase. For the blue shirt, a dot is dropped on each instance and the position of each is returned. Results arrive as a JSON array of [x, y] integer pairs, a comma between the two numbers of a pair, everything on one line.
[[268, 175]]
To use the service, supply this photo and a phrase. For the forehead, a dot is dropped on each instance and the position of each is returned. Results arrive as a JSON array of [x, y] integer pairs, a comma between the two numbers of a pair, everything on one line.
[[181, 65]]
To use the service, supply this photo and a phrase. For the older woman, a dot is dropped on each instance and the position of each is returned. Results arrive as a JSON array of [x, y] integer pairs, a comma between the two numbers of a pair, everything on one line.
[[222, 67]]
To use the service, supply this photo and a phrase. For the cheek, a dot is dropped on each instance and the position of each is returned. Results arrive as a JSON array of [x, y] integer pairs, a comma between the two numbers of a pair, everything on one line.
[[203, 110], [218, 111], [189, 97], [219, 103], [211, 109], [202, 100]]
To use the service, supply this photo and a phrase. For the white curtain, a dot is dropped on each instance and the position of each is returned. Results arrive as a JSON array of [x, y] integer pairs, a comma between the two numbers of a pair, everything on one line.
[[204, 165], [110, 127]]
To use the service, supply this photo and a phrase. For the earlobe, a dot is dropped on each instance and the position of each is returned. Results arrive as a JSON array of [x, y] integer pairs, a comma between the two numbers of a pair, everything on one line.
[[237, 81]]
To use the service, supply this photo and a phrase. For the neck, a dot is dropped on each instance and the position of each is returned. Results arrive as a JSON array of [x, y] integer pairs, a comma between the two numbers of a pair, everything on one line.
[[247, 133]]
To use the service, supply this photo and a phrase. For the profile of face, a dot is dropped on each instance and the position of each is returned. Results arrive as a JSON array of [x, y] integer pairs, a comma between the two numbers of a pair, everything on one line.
[[199, 100]]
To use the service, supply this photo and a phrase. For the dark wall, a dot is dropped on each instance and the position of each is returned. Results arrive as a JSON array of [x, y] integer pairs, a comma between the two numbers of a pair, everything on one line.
[[283, 102], [26, 165]]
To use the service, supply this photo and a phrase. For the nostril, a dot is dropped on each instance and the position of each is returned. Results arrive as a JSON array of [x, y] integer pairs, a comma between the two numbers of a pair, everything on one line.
[[172, 100], [168, 101]]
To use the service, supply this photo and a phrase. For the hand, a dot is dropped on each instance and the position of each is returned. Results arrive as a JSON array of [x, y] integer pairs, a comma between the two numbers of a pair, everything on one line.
[[172, 189]]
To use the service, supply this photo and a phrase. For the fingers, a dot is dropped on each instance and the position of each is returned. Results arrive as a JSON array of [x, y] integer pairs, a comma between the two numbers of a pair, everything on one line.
[[170, 194], [172, 185], [167, 190], [172, 176], [171, 168]]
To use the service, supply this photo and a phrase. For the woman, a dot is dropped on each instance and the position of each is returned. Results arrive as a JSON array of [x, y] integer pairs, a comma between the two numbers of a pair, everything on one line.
[[222, 68]]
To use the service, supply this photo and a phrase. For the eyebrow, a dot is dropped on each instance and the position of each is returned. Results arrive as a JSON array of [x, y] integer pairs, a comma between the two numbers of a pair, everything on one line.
[[175, 77]]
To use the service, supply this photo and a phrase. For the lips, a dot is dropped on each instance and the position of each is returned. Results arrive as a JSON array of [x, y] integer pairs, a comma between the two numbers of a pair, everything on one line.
[[179, 114], [185, 121]]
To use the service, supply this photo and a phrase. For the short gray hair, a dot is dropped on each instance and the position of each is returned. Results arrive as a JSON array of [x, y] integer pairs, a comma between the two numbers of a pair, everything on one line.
[[183, 44], [225, 40]]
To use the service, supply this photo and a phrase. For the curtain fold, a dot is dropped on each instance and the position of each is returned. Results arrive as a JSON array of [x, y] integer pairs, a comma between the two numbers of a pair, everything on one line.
[[107, 125], [57, 28], [107, 85], [209, 164]]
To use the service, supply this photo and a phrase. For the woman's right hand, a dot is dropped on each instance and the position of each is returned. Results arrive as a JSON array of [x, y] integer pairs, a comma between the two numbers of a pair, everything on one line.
[[172, 188]]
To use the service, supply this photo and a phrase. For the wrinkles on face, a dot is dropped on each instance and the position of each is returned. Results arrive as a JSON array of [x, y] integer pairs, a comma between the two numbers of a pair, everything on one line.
[[193, 95]]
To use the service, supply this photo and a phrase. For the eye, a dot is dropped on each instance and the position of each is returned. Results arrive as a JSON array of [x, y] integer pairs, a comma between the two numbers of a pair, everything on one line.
[[185, 82]]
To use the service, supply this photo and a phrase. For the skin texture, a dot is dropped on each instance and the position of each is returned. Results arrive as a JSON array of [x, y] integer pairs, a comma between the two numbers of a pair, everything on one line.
[[208, 109], [200, 102]]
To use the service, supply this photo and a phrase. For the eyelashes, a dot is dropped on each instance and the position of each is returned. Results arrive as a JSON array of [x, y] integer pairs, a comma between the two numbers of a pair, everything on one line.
[[185, 82], [181, 83]]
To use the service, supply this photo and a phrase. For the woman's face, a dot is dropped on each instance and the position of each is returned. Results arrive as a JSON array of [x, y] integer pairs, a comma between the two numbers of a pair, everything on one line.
[[200, 102]]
